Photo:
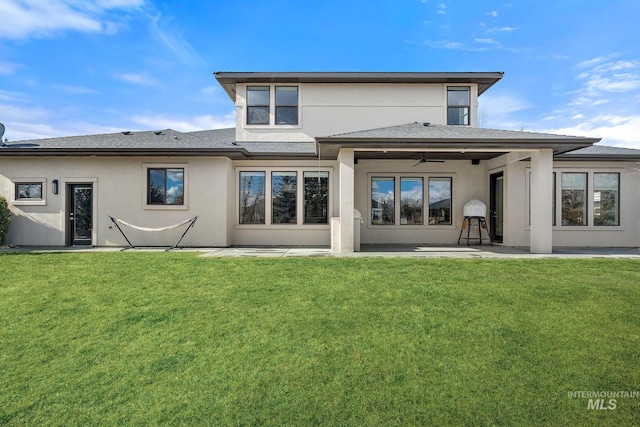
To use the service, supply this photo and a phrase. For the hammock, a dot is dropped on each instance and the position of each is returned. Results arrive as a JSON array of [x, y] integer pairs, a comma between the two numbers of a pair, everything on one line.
[[117, 221]]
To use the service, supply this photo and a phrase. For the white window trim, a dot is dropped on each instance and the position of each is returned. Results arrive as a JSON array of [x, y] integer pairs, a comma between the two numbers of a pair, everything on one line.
[[30, 202], [425, 201], [300, 225], [590, 171], [145, 186], [272, 107]]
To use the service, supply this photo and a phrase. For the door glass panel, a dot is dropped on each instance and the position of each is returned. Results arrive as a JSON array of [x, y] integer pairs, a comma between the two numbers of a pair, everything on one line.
[[82, 215], [499, 214]]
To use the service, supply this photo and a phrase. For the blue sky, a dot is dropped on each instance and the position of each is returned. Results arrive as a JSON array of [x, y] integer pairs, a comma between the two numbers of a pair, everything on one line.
[[74, 67]]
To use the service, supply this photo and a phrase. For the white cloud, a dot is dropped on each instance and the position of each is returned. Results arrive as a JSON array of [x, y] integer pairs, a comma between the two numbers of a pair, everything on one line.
[[142, 79], [39, 18], [76, 90], [174, 40], [26, 122], [493, 13], [7, 68], [203, 122], [487, 41], [499, 111], [621, 131], [578, 116], [614, 76]]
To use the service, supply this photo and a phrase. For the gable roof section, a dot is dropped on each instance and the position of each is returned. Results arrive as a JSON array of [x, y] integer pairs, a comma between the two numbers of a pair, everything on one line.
[[425, 136], [162, 142], [216, 142], [228, 80], [602, 152]]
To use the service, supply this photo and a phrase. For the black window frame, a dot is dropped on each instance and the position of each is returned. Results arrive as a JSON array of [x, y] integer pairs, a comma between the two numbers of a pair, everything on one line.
[[279, 106], [598, 220], [316, 201], [467, 106], [35, 183], [251, 106], [150, 197]]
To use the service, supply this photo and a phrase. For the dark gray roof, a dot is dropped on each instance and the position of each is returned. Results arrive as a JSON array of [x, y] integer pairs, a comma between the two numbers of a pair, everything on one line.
[[228, 80], [425, 136], [428, 131], [602, 152], [162, 142]]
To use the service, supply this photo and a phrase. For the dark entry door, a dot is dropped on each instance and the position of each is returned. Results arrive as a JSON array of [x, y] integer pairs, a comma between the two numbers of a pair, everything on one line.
[[496, 206], [79, 214]]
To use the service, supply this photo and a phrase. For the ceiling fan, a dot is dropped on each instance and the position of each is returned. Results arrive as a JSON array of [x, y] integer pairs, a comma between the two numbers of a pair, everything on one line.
[[423, 159]]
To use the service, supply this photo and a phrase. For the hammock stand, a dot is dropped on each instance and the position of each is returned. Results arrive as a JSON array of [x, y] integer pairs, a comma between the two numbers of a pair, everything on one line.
[[190, 221]]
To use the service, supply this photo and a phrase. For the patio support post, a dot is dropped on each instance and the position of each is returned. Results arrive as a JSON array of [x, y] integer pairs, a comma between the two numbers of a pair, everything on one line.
[[345, 158], [541, 203]]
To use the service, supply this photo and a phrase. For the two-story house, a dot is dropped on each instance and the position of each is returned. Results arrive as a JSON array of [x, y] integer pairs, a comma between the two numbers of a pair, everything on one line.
[[312, 151]]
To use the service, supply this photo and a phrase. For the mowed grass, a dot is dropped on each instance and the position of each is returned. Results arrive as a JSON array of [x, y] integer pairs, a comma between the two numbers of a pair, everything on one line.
[[177, 339]]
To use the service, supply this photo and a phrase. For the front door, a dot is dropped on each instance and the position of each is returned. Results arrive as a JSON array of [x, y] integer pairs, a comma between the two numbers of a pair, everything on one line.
[[79, 214], [496, 206]]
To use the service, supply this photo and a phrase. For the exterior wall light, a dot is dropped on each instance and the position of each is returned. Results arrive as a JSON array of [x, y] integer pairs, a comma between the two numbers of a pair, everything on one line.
[[54, 186]]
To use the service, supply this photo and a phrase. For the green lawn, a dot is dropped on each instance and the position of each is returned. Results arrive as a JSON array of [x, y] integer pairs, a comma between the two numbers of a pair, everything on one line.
[[176, 339]]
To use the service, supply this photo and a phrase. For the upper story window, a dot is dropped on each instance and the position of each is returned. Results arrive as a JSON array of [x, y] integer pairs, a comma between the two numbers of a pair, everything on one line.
[[458, 105], [258, 102], [272, 105], [286, 105]]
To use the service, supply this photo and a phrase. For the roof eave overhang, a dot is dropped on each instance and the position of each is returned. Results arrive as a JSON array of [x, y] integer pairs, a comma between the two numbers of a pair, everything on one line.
[[236, 154], [328, 145], [598, 158], [484, 80]]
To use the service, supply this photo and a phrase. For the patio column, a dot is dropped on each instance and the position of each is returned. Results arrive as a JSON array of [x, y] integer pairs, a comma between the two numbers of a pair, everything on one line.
[[541, 203], [345, 158]]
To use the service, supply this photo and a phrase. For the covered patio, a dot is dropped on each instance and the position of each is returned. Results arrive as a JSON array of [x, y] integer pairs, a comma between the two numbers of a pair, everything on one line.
[[495, 149]]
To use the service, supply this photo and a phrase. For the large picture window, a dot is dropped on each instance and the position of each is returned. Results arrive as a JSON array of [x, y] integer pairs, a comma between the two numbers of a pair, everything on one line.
[[606, 199], [316, 197], [258, 100], [411, 201], [440, 200], [458, 105], [252, 196], [284, 188], [28, 191], [383, 200], [574, 198], [165, 186], [286, 105]]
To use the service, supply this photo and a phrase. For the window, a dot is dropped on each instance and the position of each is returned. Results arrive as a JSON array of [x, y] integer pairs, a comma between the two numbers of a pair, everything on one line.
[[258, 101], [411, 202], [165, 186], [383, 201], [286, 105], [606, 199], [252, 197], [28, 191], [283, 197], [413, 193], [440, 200], [458, 105], [574, 198], [316, 197]]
